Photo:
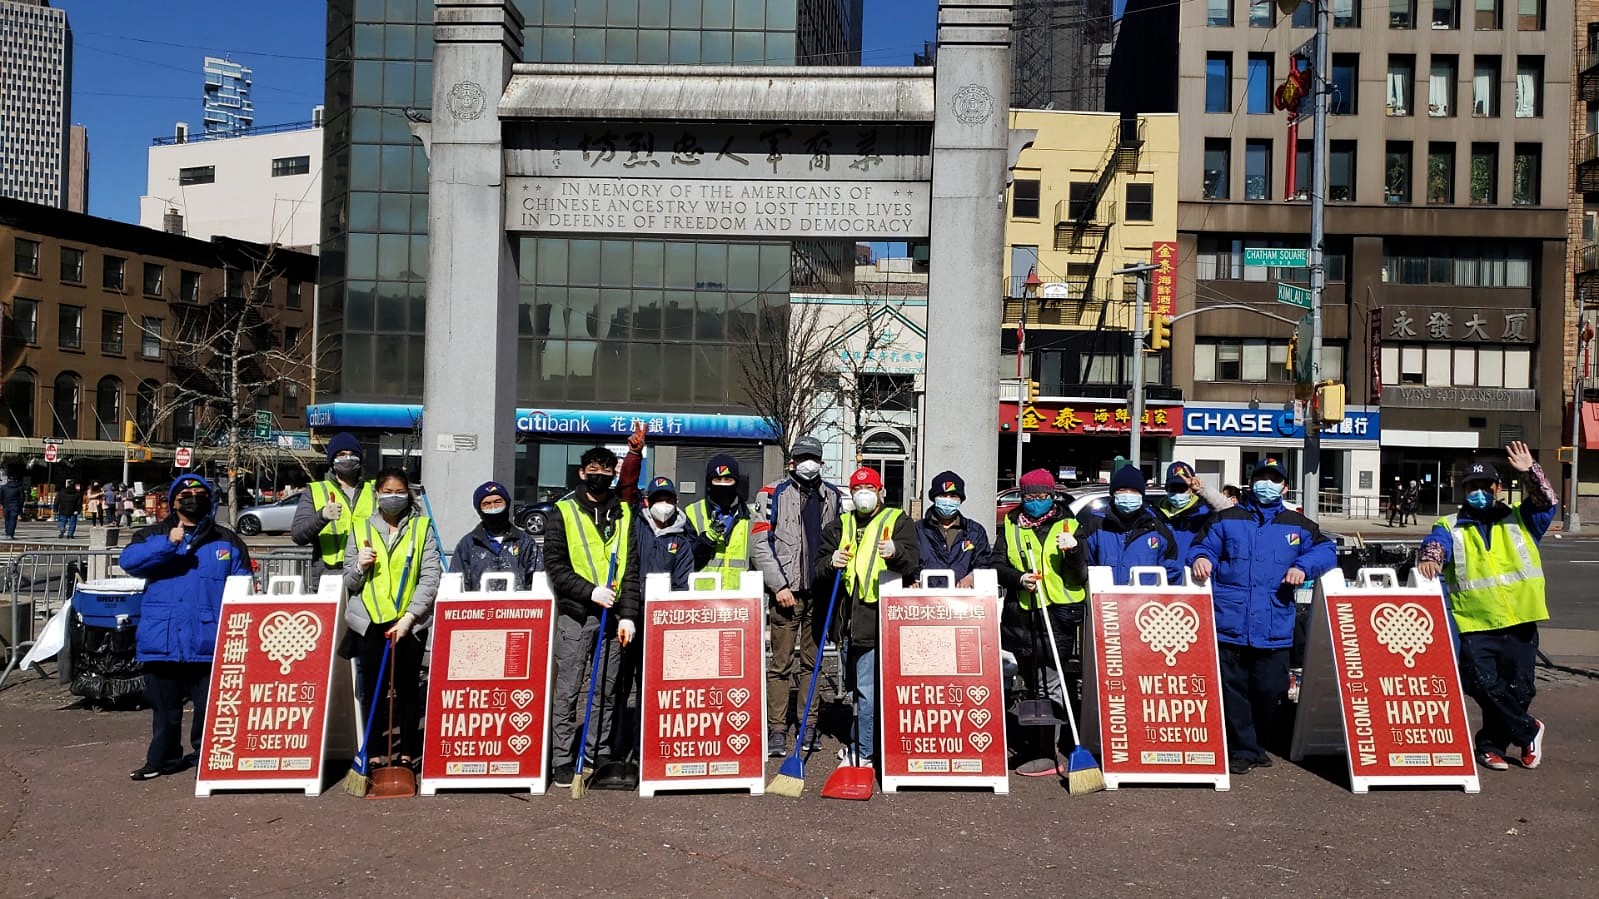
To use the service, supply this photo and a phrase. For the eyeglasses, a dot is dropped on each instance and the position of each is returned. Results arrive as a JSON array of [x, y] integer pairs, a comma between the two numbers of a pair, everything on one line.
[[1028, 496]]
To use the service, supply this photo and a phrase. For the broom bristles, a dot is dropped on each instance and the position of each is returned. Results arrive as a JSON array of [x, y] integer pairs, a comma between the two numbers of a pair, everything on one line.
[[784, 785], [577, 786], [356, 784], [1083, 775]]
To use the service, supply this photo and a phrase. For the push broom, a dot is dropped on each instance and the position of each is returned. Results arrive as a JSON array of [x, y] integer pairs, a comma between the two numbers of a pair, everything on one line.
[[588, 705], [1082, 772], [790, 779], [357, 781]]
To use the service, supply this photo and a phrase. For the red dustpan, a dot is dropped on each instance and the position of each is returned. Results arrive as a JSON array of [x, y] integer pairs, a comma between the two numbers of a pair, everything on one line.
[[856, 782]]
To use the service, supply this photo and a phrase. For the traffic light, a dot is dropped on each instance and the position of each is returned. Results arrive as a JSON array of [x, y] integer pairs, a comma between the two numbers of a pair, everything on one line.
[[1330, 401], [1160, 333], [1032, 390], [127, 431]]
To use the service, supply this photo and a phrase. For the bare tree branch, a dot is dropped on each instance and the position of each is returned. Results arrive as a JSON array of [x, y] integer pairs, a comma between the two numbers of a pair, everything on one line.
[[788, 368]]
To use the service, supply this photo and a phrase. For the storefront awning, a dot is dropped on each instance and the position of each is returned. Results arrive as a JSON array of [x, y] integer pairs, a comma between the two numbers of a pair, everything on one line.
[[1590, 425]]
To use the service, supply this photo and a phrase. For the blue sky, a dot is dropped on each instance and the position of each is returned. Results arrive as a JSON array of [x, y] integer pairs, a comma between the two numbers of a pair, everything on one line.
[[136, 73]]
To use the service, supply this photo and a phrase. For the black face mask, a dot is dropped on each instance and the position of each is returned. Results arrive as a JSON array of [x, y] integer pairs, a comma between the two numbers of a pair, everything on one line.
[[598, 485], [348, 468], [496, 522], [725, 496], [194, 508]]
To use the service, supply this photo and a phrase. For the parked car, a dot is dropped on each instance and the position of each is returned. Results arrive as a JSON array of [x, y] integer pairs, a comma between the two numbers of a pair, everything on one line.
[[268, 518], [533, 517], [1081, 497]]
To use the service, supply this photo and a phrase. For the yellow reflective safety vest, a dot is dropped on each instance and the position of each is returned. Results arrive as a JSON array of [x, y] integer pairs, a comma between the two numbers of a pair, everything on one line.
[[394, 575], [866, 565], [732, 556], [1497, 587], [594, 561], [335, 535], [1022, 543]]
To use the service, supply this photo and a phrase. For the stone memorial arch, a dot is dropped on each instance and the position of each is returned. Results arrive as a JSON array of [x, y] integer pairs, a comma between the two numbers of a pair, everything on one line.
[[790, 153]]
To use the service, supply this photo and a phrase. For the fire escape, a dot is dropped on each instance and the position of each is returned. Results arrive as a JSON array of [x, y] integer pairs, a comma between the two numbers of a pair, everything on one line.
[[1586, 153]]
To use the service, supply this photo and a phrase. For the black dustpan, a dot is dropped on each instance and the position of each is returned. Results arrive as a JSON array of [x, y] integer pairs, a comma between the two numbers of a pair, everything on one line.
[[1036, 713], [615, 776]]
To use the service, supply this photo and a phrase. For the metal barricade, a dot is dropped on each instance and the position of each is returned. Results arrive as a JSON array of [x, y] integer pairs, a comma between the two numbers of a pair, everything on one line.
[[36, 583], [295, 563]]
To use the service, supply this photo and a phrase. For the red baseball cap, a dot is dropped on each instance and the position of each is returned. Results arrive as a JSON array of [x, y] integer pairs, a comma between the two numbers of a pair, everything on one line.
[[866, 477]]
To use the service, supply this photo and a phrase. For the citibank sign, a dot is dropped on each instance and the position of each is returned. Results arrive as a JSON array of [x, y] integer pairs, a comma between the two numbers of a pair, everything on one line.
[[540, 422]]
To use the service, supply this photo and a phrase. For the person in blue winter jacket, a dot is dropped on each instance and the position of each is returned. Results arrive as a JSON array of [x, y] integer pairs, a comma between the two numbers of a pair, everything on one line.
[[496, 545], [667, 545], [951, 541], [1128, 533], [1259, 552], [1188, 505], [185, 561]]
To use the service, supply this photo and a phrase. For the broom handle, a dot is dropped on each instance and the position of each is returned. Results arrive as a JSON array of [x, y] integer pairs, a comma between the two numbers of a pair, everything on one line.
[[1060, 670], [594, 672], [816, 665], [372, 713]]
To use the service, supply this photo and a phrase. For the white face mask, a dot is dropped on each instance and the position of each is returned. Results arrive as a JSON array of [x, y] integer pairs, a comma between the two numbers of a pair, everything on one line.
[[865, 500], [663, 512], [808, 469]]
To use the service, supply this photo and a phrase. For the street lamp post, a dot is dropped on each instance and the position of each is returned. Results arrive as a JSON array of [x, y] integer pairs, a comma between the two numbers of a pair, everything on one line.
[[1029, 293], [1310, 459], [1136, 400]]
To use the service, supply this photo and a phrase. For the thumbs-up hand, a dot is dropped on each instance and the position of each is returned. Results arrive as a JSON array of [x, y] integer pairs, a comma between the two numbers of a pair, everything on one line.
[[367, 556]]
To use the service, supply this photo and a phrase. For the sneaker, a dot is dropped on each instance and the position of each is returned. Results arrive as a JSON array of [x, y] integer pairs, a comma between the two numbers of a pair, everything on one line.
[[148, 772], [776, 744], [1263, 762], [847, 756], [1039, 768], [1492, 760], [562, 775], [1239, 765], [1532, 753], [813, 740]]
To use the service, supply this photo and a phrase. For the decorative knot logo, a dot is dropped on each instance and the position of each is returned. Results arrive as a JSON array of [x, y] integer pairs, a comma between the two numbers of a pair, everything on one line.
[[287, 638], [1167, 628], [1403, 630], [974, 105]]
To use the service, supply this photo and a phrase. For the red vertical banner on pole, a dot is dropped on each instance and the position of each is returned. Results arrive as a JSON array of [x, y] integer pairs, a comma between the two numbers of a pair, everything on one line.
[[488, 704], [267, 711], [1152, 701], [1374, 395], [703, 696], [1382, 685], [942, 708], [1163, 282]]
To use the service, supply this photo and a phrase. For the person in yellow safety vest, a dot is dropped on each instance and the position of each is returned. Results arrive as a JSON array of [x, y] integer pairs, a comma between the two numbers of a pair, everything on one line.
[[721, 523], [594, 528], [1040, 564], [330, 508], [865, 545], [391, 571], [1493, 578]]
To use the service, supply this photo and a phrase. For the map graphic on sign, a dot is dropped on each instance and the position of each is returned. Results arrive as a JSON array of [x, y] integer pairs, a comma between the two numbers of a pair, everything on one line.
[[698, 654], [939, 651], [1405, 630], [490, 655], [289, 638], [1167, 628]]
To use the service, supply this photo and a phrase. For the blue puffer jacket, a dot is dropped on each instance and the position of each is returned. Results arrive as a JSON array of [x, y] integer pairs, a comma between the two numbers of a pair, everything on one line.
[[1251, 549], [1143, 542], [666, 548], [1187, 524], [969, 551], [478, 554], [184, 581]]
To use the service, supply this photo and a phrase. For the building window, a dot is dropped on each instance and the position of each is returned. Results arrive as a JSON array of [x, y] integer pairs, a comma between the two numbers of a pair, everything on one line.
[[1080, 199], [64, 405], [1525, 172], [1024, 199], [114, 273], [233, 283], [108, 409], [1345, 82], [22, 322], [1218, 82], [1458, 263], [1529, 15], [154, 279], [111, 327], [1529, 87], [1396, 172], [21, 392], [291, 165], [292, 295], [1218, 13], [69, 327], [1401, 84], [1484, 174], [1218, 163], [1487, 17], [1401, 13], [1302, 170], [71, 265], [1459, 366], [1257, 169], [199, 174], [1140, 202], [1346, 13], [189, 286], [26, 258], [1257, 85], [1445, 14], [1261, 13], [1440, 173], [1485, 87], [1341, 170], [1441, 86], [1304, 15], [150, 338]]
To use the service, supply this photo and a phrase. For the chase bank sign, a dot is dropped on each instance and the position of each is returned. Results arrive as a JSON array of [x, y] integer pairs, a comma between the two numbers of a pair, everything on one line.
[[1274, 424]]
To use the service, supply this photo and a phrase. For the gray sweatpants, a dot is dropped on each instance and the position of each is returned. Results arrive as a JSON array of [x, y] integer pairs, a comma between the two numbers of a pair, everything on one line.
[[574, 660]]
